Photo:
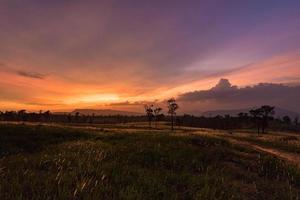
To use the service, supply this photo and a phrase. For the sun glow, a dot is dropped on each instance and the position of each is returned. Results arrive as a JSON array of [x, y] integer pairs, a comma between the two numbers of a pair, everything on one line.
[[94, 98]]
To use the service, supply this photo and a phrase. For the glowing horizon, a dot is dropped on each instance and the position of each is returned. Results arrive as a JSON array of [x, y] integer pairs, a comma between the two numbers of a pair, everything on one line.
[[62, 55]]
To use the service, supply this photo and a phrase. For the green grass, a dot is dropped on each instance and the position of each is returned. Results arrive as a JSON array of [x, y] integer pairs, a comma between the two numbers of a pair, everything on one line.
[[66, 163]]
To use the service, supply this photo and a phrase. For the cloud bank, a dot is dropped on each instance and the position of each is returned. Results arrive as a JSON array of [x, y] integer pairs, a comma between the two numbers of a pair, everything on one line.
[[230, 96]]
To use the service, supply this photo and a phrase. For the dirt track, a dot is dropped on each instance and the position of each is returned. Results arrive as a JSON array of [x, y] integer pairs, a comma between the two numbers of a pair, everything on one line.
[[290, 157], [293, 158]]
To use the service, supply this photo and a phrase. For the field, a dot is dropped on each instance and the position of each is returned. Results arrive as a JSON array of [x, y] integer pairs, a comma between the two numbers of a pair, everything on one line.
[[134, 162]]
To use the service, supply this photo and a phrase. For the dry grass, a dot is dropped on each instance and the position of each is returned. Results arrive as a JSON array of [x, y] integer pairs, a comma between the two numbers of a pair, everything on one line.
[[135, 163]]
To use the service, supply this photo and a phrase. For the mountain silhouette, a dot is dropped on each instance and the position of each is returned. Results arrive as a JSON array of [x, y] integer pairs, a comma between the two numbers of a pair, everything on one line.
[[104, 112]]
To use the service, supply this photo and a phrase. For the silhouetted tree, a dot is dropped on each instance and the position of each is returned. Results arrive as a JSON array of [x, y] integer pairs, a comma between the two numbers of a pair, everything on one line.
[[149, 113], [91, 118], [286, 119], [243, 116], [69, 118], [228, 122], [256, 114], [77, 117], [22, 115], [172, 106], [296, 122], [47, 115], [243, 119], [157, 115], [267, 113]]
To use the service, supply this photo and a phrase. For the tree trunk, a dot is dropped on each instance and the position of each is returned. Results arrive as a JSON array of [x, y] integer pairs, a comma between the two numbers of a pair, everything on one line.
[[265, 125], [258, 127]]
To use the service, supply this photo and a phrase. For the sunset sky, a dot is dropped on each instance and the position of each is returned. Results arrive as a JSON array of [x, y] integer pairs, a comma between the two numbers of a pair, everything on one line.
[[64, 54]]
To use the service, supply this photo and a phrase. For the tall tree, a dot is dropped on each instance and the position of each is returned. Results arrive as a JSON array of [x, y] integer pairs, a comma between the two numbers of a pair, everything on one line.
[[256, 114], [242, 119], [149, 113], [172, 106], [157, 115], [267, 113]]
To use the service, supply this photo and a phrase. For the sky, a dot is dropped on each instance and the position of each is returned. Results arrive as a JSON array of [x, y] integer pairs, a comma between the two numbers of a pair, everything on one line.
[[65, 54]]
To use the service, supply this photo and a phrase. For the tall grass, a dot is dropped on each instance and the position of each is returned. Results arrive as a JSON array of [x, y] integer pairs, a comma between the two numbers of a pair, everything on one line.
[[82, 165]]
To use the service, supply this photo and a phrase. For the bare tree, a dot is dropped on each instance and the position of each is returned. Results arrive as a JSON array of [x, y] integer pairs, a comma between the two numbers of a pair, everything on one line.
[[172, 106], [157, 115], [149, 113]]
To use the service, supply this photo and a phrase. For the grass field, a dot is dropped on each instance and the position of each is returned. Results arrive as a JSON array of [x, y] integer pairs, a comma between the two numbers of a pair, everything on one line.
[[287, 141], [129, 162]]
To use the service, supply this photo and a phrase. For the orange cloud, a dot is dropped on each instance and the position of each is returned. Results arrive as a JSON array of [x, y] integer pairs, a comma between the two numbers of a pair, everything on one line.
[[53, 92]]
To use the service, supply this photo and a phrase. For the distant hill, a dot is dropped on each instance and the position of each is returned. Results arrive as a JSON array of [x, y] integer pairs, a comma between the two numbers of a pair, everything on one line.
[[279, 112], [104, 112]]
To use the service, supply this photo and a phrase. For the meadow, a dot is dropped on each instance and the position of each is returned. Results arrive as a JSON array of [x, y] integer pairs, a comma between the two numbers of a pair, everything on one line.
[[135, 162]]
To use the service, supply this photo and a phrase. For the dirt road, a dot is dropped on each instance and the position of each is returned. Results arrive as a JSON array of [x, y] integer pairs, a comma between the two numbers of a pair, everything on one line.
[[290, 157], [293, 158]]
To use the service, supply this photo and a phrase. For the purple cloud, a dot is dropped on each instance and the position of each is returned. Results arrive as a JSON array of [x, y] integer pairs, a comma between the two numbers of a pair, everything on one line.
[[250, 96]]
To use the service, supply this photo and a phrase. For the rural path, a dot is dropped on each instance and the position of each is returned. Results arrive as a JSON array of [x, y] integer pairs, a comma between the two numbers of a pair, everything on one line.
[[290, 157], [293, 158]]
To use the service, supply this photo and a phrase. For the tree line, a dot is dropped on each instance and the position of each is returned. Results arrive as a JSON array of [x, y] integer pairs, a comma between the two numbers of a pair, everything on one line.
[[259, 119], [47, 116]]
